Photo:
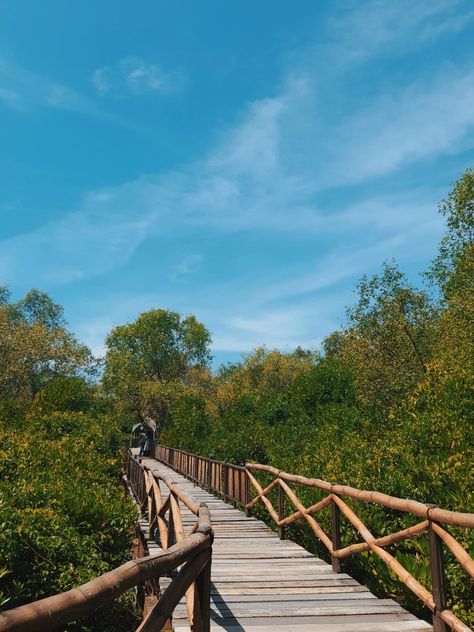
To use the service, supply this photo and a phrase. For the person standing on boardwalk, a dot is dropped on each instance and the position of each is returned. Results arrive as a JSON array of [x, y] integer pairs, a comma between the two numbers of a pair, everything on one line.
[[142, 442]]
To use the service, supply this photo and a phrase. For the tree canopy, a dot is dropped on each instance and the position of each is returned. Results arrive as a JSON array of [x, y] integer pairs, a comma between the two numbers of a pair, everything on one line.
[[150, 360], [36, 347]]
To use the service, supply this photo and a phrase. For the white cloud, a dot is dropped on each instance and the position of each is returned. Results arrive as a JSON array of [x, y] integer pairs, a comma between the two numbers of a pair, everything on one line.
[[92, 332], [21, 89], [403, 126], [249, 181], [25, 91], [133, 75], [297, 304], [280, 328], [359, 31], [80, 245], [187, 265], [11, 98]]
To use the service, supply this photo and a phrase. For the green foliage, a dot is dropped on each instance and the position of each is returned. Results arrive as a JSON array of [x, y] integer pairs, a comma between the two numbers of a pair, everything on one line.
[[328, 382], [64, 518], [388, 405], [190, 421], [389, 339], [38, 308], [65, 394], [35, 348], [149, 360], [458, 209]]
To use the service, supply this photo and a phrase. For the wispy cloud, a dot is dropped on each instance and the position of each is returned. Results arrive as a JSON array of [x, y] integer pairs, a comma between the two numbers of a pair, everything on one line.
[[11, 98], [23, 90], [297, 304], [92, 331], [403, 126], [359, 31], [26, 91], [248, 181], [80, 245], [134, 76], [279, 327], [187, 265]]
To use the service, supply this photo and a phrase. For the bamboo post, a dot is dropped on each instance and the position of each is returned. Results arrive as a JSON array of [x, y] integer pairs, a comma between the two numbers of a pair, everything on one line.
[[151, 505], [209, 475], [139, 484], [162, 528], [247, 493], [224, 480], [136, 480], [142, 492], [131, 474], [171, 531], [137, 552], [238, 493], [202, 599], [281, 511], [231, 490], [438, 580], [335, 534]]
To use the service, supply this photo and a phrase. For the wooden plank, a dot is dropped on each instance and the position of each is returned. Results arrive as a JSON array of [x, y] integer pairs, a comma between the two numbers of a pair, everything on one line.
[[298, 610], [396, 626]]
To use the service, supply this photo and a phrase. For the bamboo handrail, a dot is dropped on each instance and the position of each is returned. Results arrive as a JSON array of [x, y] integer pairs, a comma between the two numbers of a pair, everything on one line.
[[266, 501], [311, 521], [179, 531], [420, 591], [174, 529], [264, 492], [310, 510], [454, 623], [385, 541], [172, 595], [51, 612], [432, 517], [456, 549], [191, 554], [454, 518]]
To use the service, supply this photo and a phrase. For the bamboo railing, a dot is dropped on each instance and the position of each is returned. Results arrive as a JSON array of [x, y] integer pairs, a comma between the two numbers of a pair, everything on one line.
[[222, 478], [229, 476], [190, 555]]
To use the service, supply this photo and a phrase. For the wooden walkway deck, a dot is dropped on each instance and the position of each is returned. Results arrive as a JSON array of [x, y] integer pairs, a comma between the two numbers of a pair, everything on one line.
[[263, 584]]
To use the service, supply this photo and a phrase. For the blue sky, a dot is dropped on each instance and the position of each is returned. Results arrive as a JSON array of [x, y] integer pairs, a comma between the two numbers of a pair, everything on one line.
[[243, 161]]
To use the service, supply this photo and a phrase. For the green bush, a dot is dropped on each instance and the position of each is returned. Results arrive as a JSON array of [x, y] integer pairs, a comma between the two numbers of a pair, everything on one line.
[[65, 394], [63, 517]]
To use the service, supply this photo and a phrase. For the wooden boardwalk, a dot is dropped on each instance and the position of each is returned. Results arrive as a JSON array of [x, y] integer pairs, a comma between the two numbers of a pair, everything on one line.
[[263, 584]]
